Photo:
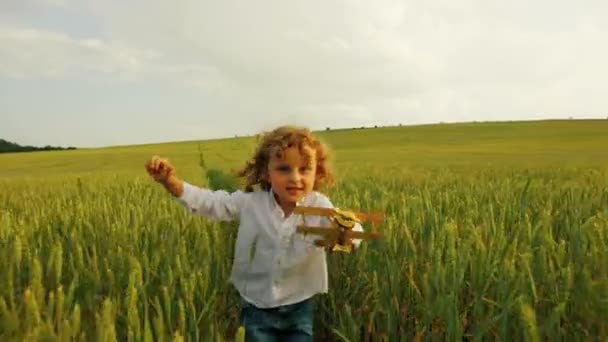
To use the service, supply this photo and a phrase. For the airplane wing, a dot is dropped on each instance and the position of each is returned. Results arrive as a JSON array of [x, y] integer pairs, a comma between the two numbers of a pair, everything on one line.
[[328, 232], [351, 234], [372, 217], [314, 211]]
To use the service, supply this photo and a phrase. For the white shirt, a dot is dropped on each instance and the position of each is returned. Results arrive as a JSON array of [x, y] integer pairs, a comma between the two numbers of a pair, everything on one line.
[[273, 265]]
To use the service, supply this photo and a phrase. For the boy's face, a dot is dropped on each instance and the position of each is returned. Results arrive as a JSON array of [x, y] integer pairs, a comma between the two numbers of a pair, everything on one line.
[[292, 175]]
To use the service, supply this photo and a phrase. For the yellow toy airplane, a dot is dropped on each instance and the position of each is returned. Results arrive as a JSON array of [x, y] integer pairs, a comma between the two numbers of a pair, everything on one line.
[[339, 236]]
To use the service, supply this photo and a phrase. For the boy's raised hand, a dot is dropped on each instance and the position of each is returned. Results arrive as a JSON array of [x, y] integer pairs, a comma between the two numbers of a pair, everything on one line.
[[160, 169], [163, 172]]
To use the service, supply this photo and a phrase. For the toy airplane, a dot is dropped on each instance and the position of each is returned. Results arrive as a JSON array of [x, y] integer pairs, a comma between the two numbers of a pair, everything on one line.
[[339, 236]]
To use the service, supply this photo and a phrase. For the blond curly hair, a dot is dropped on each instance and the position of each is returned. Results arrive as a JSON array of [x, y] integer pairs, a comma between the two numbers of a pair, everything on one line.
[[275, 142]]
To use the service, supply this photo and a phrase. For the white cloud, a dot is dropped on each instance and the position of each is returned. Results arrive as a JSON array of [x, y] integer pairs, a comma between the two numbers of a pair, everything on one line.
[[27, 52], [358, 62], [413, 59], [36, 53]]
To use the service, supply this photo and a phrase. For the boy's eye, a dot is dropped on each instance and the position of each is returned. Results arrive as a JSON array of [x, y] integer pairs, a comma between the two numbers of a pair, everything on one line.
[[283, 168]]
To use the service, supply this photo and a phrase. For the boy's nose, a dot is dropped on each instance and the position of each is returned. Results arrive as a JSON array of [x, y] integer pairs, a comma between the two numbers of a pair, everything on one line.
[[296, 176]]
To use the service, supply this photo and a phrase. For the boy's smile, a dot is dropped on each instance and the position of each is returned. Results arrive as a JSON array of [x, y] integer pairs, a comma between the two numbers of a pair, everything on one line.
[[291, 174]]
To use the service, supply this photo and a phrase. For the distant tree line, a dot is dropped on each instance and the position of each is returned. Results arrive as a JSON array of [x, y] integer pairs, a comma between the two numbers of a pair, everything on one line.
[[7, 146]]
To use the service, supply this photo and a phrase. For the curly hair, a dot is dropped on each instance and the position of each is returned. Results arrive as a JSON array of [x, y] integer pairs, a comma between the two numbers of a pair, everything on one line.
[[275, 142]]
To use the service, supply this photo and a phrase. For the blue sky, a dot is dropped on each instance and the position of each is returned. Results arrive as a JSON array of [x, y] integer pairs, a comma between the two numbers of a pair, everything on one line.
[[97, 73]]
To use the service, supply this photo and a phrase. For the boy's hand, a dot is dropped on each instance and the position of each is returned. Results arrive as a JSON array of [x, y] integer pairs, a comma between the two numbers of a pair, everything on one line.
[[160, 169], [163, 172]]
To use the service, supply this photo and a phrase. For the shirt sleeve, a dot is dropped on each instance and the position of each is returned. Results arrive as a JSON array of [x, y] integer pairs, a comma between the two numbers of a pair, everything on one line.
[[214, 205]]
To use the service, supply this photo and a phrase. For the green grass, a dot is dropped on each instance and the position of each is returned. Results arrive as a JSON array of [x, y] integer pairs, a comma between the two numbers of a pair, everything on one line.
[[493, 231], [519, 144]]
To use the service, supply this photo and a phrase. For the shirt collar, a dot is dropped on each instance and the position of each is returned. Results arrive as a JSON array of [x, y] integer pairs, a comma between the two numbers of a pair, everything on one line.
[[277, 208]]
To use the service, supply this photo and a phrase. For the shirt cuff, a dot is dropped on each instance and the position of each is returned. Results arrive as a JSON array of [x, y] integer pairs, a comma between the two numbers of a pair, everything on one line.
[[188, 195]]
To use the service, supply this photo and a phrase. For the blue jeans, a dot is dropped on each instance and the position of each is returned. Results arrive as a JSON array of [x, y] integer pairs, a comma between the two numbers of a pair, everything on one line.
[[292, 322]]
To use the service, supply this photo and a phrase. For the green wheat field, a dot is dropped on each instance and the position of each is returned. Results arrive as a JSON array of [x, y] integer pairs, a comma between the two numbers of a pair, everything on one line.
[[494, 231]]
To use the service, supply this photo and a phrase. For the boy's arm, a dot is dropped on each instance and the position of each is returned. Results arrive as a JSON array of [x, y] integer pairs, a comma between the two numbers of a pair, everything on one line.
[[174, 186], [215, 205]]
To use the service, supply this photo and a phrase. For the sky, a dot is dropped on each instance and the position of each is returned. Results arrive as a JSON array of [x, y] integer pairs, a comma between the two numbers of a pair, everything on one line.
[[91, 73]]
